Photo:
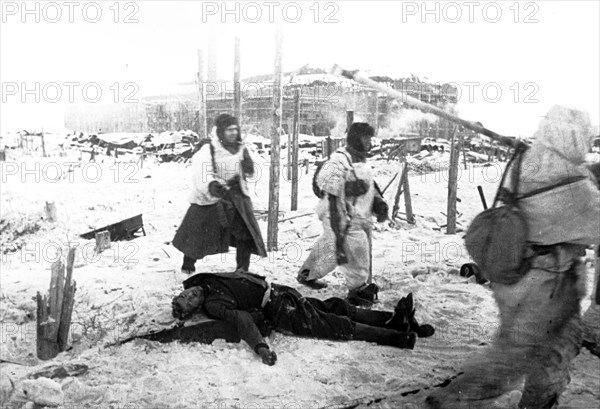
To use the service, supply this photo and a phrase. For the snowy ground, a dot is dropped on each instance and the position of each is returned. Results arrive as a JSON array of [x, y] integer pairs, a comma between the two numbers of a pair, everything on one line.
[[129, 288]]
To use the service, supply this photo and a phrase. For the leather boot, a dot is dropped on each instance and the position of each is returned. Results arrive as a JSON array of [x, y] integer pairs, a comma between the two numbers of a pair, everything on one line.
[[384, 336], [302, 278], [423, 331]]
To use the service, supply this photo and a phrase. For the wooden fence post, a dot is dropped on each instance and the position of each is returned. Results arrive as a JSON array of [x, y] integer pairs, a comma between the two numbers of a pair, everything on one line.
[[273, 218], [54, 312], [295, 143], [452, 185]]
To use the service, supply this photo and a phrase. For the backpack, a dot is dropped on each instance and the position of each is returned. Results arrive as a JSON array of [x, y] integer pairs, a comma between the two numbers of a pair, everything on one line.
[[315, 187], [497, 238]]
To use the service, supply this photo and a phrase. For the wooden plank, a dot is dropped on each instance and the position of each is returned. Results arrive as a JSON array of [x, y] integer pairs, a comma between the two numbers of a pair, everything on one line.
[[272, 223], [389, 183], [423, 106], [57, 284], [66, 314], [67, 303], [46, 345], [295, 144], [296, 216]]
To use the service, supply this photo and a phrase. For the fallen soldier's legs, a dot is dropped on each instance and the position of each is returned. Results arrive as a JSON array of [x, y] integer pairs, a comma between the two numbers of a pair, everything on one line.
[[293, 314]]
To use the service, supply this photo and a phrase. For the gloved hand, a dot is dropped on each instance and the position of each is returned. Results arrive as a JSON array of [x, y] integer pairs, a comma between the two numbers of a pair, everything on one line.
[[380, 209], [268, 357], [234, 181], [247, 163], [356, 187], [217, 189]]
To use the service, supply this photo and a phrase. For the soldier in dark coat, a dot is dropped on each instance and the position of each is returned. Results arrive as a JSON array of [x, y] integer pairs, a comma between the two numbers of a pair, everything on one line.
[[248, 302], [220, 214]]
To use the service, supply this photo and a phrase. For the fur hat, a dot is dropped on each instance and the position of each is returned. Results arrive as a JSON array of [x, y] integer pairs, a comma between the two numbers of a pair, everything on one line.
[[223, 122], [357, 130]]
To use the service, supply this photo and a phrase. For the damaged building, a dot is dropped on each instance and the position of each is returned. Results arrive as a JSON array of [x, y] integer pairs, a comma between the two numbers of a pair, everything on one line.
[[324, 100]]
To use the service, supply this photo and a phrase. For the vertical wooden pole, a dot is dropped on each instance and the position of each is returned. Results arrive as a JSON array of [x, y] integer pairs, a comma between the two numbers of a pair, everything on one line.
[[273, 219], [289, 154], [46, 345], [201, 97], [295, 143], [452, 185], [67, 303], [237, 86], [410, 218], [43, 145]]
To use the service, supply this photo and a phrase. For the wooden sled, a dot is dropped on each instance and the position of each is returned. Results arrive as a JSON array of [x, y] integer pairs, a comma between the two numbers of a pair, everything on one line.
[[123, 230]]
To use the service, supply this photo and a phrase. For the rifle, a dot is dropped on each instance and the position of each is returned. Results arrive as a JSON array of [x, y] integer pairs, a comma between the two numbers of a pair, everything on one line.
[[204, 332]]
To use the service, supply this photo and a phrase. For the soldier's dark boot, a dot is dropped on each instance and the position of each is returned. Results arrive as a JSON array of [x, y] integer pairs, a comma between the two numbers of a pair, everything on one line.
[[384, 336], [404, 315], [302, 278]]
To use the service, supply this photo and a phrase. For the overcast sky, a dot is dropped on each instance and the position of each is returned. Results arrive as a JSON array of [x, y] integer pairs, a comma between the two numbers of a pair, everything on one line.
[[555, 60]]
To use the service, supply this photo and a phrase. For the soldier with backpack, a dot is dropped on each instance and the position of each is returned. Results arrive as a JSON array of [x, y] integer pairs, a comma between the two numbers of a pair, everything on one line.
[[532, 255], [349, 199], [220, 214]]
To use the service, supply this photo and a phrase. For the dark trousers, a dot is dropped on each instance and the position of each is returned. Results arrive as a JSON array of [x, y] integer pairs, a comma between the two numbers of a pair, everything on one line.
[[242, 256], [333, 318]]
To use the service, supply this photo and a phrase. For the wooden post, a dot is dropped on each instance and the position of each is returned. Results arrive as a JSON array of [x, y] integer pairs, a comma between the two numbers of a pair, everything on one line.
[[273, 219], [43, 145], [452, 185], [410, 218], [237, 86], [201, 97], [295, 143], [46, 345], [67, 303], [54, 312], [289, 155]]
